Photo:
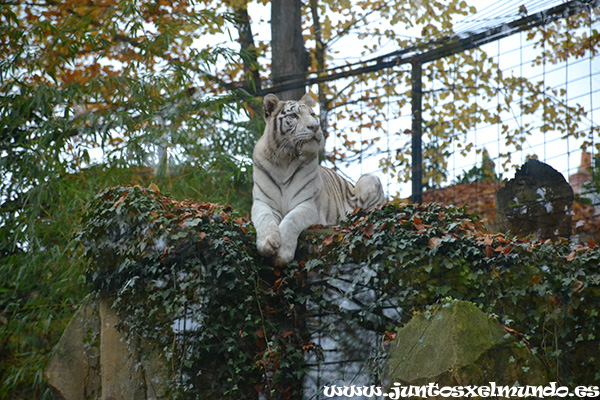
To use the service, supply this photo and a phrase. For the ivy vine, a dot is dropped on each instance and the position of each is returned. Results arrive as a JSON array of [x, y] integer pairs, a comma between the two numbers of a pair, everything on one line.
[[547, 293], [186, 277]]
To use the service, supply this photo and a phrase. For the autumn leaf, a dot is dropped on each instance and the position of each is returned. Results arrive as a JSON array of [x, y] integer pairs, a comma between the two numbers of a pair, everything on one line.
[[368, 231], [269, 310], [553, 300], [535, 280], [331, 238], [433, 242], [467, 225], [495, 272], [328, 240], [153, 187], [420, 227], [487, 240], [510, 330], [577, 286], [120, 200], [277, 285], [519, 335], [418, 224], [507, 250], [571, 256]]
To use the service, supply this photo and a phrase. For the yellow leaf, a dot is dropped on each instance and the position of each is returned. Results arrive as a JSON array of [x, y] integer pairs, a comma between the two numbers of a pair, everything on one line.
[[153, 187]]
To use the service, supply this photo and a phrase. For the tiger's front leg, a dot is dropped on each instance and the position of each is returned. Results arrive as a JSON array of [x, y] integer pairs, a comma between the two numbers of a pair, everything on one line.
[[297, 220], [266, 223]]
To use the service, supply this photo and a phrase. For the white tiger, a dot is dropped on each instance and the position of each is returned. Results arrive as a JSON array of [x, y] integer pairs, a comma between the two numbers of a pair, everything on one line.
[[291, 190]]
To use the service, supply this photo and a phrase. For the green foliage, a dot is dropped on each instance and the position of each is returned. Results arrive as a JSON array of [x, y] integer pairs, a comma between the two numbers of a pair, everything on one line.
[[93, 95], [229, 321], [592, 188], [40, 278], [485, 173], [419, 255], [97, 94], [192, 271], [41, 266]]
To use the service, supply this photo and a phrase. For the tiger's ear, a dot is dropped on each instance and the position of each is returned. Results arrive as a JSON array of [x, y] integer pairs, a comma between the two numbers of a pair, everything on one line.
[[270, 101], [308, 100]]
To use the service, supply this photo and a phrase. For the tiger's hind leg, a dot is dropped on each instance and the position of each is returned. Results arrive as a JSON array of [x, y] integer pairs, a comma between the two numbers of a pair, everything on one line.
[[368, 192]]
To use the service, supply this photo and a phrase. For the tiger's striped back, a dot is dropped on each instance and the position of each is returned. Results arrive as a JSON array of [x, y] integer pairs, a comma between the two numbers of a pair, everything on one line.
[[337, 198]]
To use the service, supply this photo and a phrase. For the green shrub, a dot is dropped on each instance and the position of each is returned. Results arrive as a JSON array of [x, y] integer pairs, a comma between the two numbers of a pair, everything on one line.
[[187, 276], [549, 292], [42, 270]]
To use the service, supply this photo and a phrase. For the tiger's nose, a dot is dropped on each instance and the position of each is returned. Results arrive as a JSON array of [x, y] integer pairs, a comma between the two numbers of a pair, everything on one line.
[[314, 127]]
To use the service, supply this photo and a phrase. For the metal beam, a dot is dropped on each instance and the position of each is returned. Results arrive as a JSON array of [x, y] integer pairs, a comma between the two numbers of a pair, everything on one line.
[[444, 47]]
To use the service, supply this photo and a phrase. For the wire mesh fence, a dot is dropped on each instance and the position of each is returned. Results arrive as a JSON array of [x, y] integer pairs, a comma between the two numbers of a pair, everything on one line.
[[533, 93], [519, 80]]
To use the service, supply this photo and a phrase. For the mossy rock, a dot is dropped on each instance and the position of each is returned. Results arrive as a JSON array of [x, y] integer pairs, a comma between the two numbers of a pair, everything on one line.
[[457, 344]]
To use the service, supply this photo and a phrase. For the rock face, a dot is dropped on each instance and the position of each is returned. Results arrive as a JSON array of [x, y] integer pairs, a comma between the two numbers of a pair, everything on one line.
[[459, 345], [93, 360], [74, 369], [537, 201]]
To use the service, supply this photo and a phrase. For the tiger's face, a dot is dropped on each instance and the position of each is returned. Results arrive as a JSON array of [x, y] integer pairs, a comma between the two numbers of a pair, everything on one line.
[[293, 126]]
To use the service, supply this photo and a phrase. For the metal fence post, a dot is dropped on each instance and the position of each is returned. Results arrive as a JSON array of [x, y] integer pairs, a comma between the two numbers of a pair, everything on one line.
[[417, 157]]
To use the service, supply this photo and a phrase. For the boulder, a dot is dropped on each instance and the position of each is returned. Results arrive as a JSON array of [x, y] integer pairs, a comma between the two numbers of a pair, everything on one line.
[[537, 201], [95, 360], [122, 380], [458, 345], [74, 369]]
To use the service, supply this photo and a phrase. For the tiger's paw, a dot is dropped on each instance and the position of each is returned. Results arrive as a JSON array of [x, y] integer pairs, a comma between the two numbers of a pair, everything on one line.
[[282, 261], [286, 253], [269, 246]]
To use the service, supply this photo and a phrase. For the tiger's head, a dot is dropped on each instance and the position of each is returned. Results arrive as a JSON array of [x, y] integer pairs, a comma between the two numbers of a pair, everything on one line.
[[292, 127]]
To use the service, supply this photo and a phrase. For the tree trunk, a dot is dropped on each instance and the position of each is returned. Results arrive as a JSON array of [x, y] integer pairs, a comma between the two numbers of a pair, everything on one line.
[[252, 83], [248, 49], [289, 62], [324, 103]]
